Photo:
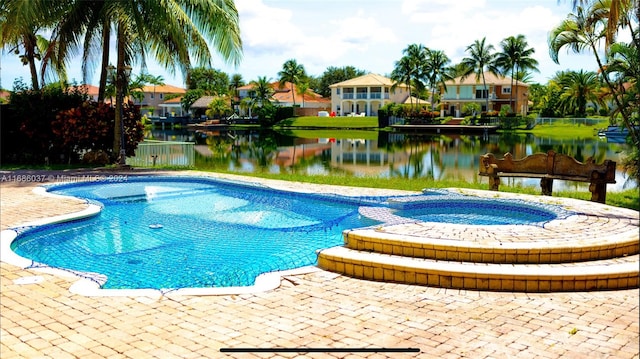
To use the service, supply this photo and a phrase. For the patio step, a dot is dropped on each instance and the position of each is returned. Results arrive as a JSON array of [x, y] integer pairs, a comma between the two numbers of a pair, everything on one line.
[[607, 274]]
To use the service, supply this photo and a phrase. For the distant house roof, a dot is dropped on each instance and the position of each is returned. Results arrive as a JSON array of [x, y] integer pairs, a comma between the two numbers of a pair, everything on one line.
[[489, 78], [90, 90], [174, 100], [283, 93], [203, 102], [163, 89], [416, 101], [368, 80]]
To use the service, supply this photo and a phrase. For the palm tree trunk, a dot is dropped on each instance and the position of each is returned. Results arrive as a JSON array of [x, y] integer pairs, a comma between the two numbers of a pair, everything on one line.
[[119, 89], [106, 29], [511, 92], [484, 88], [29, 45]]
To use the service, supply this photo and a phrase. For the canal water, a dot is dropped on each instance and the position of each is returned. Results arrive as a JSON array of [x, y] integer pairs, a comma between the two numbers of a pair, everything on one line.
[[383, 154]]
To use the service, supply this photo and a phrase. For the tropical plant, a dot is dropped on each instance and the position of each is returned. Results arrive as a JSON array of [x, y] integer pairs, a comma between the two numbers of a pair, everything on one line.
[[514, 57], [174, 32], [437, 72], [480, 59], [417, 56], [20, 23], [585, 29], [578, 89], [212, 81], [262, 90], [293, 73], [303, 89], [402, 73], [218, 107]]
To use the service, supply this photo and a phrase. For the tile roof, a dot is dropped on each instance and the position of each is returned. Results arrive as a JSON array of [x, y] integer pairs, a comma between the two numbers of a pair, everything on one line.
[[370, 79], [163, 89], [88, 89], [283, 93]]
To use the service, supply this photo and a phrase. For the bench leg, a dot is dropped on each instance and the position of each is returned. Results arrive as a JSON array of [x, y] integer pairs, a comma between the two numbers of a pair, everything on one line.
[[598, 192], [494, 183], [547, 186]]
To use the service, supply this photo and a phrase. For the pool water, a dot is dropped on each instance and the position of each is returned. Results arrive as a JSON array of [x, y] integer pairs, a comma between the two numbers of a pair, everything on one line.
[[178, 233], [185, 232]]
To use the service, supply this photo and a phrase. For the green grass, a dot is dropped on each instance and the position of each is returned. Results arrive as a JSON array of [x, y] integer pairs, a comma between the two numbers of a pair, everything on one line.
[[330, 122]]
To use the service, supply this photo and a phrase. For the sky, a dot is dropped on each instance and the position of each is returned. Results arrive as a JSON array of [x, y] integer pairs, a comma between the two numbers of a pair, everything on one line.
[[369, 35]]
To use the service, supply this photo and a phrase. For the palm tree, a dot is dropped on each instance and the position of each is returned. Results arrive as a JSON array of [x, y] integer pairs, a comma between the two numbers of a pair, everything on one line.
[[402, 73], [174, 32], [293, 73], [437, 71], [480, 59], [19, 26], [303, 89], [581, 31], [263, 90], [217, 107], [236, 81], [578, 89], [515, 56], [416, 55]]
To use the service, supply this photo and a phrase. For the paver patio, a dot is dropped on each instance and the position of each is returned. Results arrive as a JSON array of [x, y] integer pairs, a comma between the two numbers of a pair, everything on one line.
[[316, 310]]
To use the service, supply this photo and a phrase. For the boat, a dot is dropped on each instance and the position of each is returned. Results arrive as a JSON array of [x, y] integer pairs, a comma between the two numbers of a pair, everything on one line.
[[616, 134]]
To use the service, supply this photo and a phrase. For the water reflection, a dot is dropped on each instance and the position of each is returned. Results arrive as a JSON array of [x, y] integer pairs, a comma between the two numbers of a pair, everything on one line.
[[382, 154]]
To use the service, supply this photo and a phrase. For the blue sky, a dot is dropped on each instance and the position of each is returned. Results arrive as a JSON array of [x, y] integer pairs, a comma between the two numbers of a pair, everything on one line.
[[367, 34]]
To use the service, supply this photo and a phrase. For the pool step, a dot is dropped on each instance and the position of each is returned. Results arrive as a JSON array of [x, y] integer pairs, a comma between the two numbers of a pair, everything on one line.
[[607, 274], [535, 251]]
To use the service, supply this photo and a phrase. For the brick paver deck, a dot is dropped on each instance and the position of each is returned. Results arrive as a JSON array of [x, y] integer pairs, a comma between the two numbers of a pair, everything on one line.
[[317, 310]]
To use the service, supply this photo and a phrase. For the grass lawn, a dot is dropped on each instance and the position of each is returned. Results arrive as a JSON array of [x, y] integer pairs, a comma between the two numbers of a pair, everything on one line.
[[329, 122]]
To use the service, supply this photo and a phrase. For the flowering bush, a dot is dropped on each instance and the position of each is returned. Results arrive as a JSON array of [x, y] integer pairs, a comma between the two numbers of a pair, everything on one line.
[[90, 127]]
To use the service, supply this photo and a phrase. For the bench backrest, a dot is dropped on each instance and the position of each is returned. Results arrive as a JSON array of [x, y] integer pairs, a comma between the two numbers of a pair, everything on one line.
[[550, 163]]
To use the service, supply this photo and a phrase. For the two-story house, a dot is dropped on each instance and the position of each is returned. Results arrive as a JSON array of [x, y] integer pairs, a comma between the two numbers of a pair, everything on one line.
[[155, 97], [498, 90], [365, 94]]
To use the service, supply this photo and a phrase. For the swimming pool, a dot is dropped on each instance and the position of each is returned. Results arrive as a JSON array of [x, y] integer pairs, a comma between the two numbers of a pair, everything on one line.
[[165, 233], [189, 232]]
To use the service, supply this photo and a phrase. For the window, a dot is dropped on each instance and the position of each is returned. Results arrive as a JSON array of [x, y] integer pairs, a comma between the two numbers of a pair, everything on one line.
[[161, 96], [338, 91], [506, 90], [482, 93], [151, 95]]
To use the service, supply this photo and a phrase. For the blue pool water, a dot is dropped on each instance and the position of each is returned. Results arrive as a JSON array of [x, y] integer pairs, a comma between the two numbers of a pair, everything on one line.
[[177, 233], [169, 232]]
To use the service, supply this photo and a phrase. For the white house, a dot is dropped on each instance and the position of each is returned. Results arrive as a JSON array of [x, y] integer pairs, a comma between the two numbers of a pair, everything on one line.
[[366, 94]]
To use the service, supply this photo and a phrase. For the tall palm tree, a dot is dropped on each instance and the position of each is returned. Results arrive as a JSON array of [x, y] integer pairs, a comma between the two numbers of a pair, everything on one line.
[[263, 90], [481, 59], [235, 82], [437, 71], [293, 73], [402, 73], [583, 30], [417, 55], [20, 24], [515, 56], [618, 15], [303, 89]]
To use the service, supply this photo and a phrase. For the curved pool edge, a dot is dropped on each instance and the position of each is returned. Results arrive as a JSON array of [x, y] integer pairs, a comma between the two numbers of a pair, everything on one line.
[[86, 286]]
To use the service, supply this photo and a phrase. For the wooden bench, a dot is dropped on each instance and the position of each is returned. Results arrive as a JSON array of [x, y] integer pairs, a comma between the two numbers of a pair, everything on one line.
[[549, 166]]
